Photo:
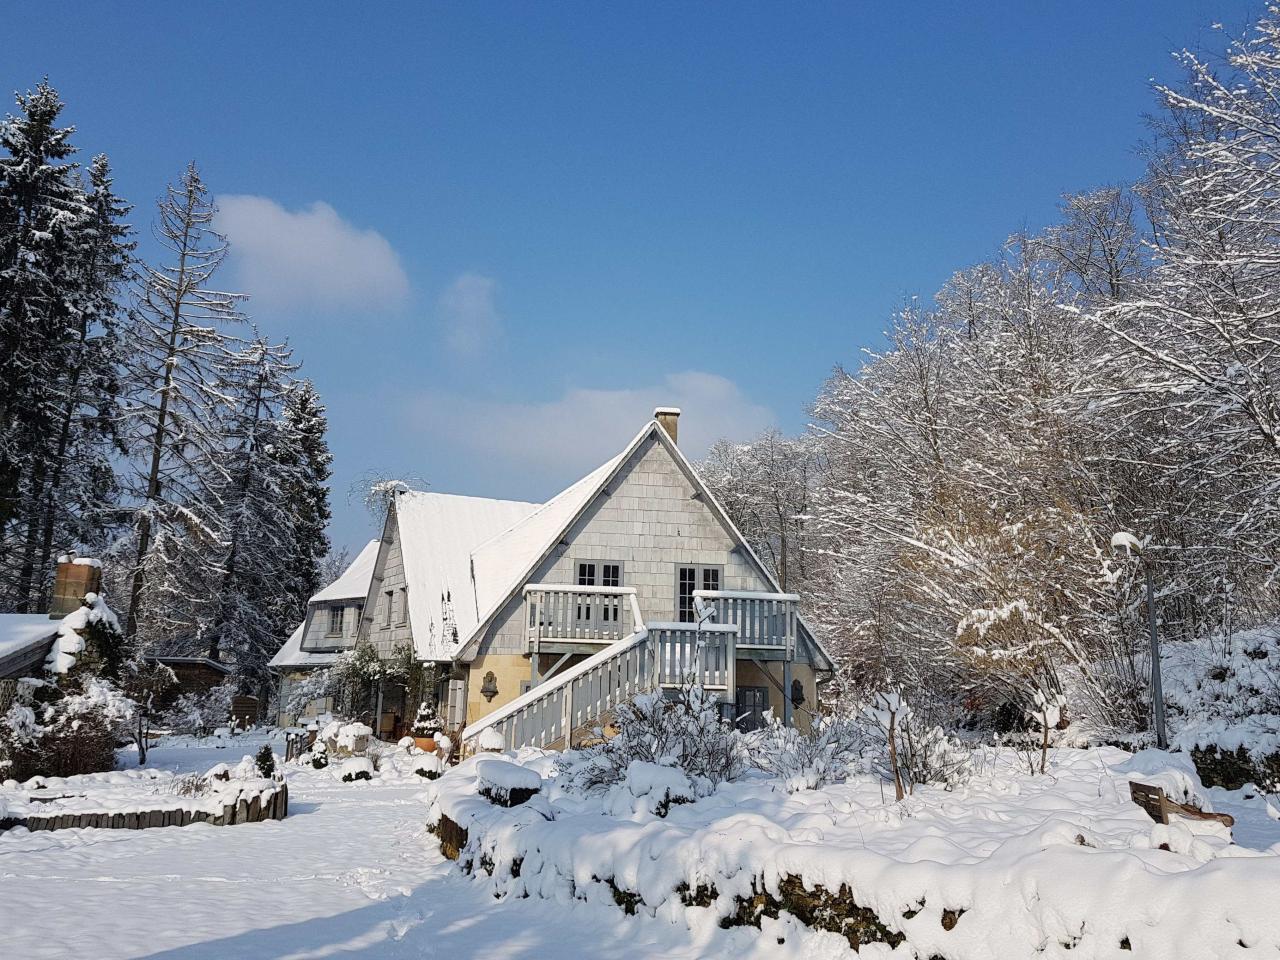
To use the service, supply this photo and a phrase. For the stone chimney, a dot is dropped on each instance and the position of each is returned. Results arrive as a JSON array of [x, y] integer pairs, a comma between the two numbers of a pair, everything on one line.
[[75, 578], [669, 419]]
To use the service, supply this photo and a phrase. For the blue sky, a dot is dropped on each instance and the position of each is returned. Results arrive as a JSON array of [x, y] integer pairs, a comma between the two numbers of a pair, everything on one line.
[[498, 234]]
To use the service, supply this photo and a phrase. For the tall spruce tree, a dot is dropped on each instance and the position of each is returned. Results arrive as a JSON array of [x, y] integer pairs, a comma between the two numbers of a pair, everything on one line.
[[42, 216], [306, 426]]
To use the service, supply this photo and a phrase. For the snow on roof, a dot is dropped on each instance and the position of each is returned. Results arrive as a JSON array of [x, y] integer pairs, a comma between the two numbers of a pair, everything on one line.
[[354, 582], [502, 563], [292, 654], [19, 631], [438, 532]]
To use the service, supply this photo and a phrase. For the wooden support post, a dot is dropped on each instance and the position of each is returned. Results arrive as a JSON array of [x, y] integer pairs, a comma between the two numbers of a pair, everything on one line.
[[786, 691]]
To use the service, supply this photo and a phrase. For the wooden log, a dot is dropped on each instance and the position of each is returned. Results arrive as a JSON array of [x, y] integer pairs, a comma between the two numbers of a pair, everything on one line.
[[131, 821], [117, 821], [255, 808], [242, 811]]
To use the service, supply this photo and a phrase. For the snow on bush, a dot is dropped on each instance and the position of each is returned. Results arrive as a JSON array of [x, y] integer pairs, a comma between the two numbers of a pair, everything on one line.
[[684, 730], [807, 760], [427, 765], [199, 713], [354, 768], [490, 741], [907, 752], [648, 788], [1224, 694], [506, 784], [352, 737]]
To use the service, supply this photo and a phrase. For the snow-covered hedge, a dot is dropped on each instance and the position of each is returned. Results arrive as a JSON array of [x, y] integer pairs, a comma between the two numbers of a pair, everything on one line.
[[1008, 865]]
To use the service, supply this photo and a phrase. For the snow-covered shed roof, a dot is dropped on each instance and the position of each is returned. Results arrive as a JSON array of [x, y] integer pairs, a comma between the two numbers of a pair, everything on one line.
[[292, 654], [438, 532], [354, 582], [22, 636]]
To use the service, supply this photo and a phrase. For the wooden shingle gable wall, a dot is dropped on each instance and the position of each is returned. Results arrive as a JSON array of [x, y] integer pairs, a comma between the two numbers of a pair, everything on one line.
[[652, 515], [388, 575]]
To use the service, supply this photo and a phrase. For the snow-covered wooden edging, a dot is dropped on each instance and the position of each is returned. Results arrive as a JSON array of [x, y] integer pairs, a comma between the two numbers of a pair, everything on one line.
[[248, 806]]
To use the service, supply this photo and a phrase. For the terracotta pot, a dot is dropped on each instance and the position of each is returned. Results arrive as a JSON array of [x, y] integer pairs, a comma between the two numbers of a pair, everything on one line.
[[425, 744]]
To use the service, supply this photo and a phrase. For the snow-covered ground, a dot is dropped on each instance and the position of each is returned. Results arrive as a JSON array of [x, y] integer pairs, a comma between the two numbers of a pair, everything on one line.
[[351, 872]]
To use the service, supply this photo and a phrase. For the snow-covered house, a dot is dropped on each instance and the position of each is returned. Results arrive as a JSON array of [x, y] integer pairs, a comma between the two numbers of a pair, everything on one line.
[[541, 617], [332, 618]]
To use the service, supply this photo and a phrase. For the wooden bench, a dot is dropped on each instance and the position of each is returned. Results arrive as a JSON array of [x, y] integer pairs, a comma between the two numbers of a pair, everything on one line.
[[1158, 806]]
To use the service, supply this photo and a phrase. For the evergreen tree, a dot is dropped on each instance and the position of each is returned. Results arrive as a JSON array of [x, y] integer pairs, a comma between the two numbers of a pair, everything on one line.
[[306, 425], [261, 466], [42, 217]]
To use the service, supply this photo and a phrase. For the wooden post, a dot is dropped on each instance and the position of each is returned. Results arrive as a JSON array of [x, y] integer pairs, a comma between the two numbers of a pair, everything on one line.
[[786, 691]]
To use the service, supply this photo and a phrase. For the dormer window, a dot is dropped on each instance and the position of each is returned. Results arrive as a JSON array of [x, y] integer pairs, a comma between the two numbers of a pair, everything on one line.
[[335, 621]]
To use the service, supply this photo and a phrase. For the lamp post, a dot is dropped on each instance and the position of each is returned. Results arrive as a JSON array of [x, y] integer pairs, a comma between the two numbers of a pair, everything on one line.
[[1124, 544]]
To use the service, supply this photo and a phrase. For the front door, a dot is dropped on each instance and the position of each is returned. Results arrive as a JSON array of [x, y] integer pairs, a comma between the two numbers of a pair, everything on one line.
[[750, 706]]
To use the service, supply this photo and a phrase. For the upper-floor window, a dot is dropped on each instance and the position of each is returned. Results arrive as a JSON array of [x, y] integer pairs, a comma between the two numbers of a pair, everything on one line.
[[688, 579], [335, 621], [593, 573], [404, 605], [389, 608]]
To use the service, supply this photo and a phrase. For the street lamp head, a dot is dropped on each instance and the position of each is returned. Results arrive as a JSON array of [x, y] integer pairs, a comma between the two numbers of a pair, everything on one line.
[[1125, 544]]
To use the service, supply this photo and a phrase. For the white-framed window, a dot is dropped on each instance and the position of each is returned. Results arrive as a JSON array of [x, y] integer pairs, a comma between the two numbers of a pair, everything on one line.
[[404, 606], [335, 621], [691, 577], [389, 609], [603, 573]]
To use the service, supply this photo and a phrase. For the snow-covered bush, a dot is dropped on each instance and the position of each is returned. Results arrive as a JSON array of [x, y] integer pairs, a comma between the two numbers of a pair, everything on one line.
[[648, 788], [490, 741], [427, 722], [266, 761], [64, 733], [349, 738], [355, 768], [907, 752], [808, 760], [506, 784], [684, 731], [200, 712], [428, 766]]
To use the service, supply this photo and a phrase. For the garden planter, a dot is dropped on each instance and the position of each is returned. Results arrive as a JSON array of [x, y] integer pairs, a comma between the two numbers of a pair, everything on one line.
[[425, 744]]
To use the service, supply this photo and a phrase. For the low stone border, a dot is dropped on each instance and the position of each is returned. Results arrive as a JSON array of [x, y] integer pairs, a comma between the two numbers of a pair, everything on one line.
[[272, 804]]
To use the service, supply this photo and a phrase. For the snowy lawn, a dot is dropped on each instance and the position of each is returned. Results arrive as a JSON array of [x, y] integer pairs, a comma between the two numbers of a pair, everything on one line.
[[351, 872]]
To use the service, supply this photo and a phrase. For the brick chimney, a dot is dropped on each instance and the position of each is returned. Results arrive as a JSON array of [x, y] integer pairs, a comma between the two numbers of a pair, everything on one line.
[[669, 419], [76, 576]]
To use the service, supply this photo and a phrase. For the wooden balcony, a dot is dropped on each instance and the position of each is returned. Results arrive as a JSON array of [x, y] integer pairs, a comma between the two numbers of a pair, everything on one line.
[[564, 618], [765, 622]]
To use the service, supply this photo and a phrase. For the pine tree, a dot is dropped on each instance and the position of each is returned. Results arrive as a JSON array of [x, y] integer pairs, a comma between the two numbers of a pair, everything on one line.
[[42, 216], [177, 353], [261, 466], [306, 425]]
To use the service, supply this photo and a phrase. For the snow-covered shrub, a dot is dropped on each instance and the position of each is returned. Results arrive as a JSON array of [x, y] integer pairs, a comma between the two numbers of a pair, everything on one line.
[[649, 788], [199, 712], [266, 761], [1223, 698], [506, 784], [1046, 713], [490, 741], [427, 722], [64, 733], [318, 756], [907, 752], [684, 730], [349, 738], [428, 765], [406, 744], [808, 760], [355, 768]]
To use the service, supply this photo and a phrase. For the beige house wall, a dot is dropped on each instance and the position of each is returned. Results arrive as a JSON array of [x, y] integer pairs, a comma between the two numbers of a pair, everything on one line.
[[749, 674]]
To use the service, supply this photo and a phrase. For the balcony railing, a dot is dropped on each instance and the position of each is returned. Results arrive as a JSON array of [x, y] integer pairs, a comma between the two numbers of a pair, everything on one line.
[[562, 613], [765, 621]]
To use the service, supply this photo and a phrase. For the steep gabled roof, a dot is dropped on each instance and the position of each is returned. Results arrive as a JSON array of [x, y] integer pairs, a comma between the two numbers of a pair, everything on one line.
[[438, 532], [292, 654], [503, 565], [504, 561], [353, 584]]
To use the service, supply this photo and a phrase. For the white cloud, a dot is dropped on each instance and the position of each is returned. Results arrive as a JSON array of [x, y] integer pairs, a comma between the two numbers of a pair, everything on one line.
[[468, 314], [309, 258], [565, 438]]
